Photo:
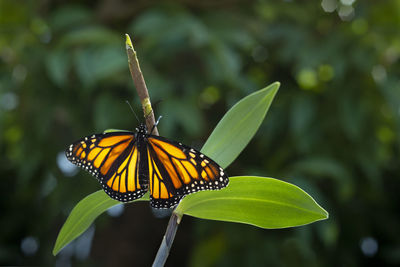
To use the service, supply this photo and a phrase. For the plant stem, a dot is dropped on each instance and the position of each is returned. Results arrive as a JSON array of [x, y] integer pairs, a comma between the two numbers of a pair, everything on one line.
[[141, 89], [140, 85], [167, 240]]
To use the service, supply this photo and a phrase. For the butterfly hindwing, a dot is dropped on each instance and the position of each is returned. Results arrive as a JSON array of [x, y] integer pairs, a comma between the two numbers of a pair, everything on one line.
[[162, 191], [113, 158], [127, 164], [176, 170]]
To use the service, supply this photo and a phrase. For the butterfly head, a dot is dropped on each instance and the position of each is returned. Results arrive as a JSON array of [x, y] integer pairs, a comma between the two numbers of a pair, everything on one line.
[[142, 129]]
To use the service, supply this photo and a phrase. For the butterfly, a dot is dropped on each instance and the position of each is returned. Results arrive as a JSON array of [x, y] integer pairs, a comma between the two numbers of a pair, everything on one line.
[[128, 164]]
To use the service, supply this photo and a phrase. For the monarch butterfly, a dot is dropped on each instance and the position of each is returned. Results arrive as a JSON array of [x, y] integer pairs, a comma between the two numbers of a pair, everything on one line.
[[128, 164]]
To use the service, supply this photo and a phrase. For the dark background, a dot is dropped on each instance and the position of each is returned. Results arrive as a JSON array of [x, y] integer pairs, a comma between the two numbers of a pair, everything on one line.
[[333, 128]]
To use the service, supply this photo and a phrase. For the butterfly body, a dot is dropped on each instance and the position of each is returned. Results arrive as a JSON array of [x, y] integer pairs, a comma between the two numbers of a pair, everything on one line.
[[128, 164]]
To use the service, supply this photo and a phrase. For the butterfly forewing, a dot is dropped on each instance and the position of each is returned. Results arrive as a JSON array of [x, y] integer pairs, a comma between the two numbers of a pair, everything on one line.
[[113, 158], [127, 164], [176, 170]]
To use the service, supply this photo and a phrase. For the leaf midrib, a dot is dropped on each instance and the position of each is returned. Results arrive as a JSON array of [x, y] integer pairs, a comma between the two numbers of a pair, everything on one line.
[[251, 200]]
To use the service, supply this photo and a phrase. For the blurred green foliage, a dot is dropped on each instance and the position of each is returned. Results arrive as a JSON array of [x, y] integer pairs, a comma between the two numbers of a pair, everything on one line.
[[333, 129]]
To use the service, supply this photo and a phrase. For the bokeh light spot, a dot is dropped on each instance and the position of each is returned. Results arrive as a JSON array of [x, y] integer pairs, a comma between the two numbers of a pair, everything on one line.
[[329, 5], [8, 101], [347, 2], [19, 73], [29, 245], [325, 72], [386, 134], [66, 167], [13, 134], [307, 78], [346, 13], [378, 73], [116, 211], [209, 96], [392, 53], [369, 246], [7, 54], [48, 185]]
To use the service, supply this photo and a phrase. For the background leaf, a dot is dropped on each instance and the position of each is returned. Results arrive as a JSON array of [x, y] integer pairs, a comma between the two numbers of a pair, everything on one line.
[[334, 130], [259, 201]]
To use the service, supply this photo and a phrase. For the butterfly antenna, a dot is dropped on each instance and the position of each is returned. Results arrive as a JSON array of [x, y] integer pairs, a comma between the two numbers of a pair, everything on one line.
[[155, 124], [134, 113]]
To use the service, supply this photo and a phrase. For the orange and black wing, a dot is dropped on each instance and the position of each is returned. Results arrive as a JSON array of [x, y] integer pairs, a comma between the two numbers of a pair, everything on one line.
[[113, 158], [176, 170]]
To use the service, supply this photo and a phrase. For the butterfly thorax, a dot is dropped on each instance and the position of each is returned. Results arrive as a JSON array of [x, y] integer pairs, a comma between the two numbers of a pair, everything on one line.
[[140, 135]]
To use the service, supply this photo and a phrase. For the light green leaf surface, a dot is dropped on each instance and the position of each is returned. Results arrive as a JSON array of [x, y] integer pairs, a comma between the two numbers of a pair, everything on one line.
[[114, 130], [83, 215], [238, 126], [260, 201]]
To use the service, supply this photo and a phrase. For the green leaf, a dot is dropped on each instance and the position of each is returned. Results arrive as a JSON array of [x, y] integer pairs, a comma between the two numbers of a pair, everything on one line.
[[67, 17], [83, 215], [238, 126], [58, 63], [115, 130], [260, 201], [94, 35], [90, 65]]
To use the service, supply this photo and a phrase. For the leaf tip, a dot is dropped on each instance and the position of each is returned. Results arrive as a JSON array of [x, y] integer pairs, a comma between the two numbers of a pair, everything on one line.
[[278, 84], [275, 86], [55, 250], [326, 214]]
